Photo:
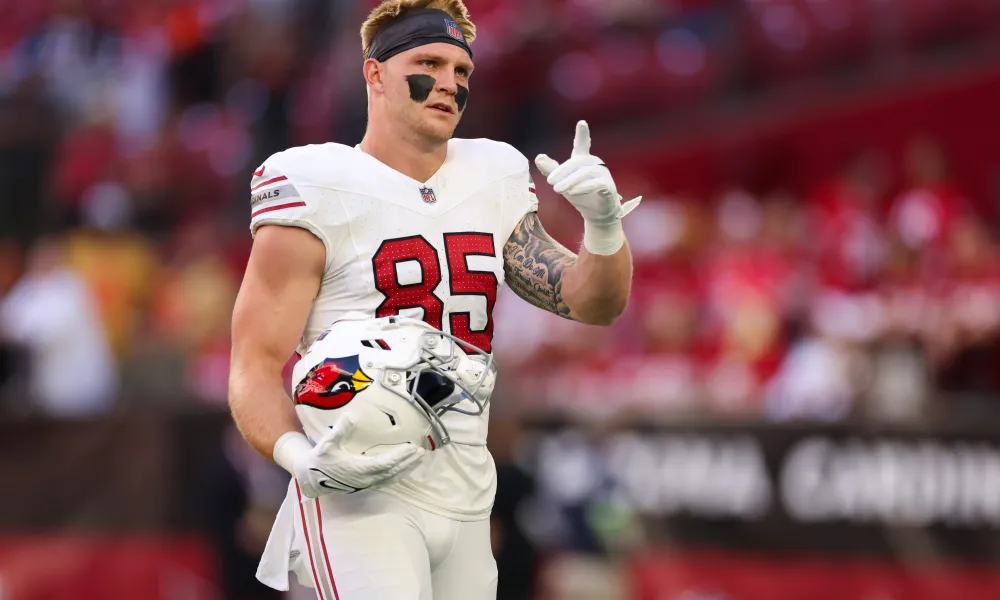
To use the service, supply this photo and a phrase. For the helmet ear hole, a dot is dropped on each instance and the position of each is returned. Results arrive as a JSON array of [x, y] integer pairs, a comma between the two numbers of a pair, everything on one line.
[[432, 387]]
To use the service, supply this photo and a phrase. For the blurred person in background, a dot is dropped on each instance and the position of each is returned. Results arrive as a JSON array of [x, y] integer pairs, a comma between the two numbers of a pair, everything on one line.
[[117, 262], [923, 216], [964, 343], [515, 552], [660, 348], [747, 277], [374, 229], [196, 293], [29, 130], [53, 315], [896, 320], [844, 220], [814, 382], [239, 495], [11, 353]]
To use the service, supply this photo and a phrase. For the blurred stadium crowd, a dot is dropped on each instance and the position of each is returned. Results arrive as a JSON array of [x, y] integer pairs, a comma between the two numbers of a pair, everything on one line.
[[790, 307], [128, 131]]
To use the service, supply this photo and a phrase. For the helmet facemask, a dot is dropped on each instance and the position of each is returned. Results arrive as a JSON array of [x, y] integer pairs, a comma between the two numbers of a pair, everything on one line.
[[441, 377]]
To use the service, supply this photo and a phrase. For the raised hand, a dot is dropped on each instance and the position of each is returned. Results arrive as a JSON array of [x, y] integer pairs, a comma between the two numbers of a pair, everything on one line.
[[586, 182]]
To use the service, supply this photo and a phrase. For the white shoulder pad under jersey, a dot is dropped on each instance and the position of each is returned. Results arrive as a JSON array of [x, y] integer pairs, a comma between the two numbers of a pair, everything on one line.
[[489, 160], [297, 187]]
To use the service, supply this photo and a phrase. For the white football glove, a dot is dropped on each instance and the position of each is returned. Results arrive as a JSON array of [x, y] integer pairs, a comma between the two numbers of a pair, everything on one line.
[[587, 184], [328, 468]]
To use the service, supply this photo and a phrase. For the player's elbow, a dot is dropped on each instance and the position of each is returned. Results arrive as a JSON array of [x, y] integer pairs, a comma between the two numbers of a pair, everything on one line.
[[606, 315], [239, 388], [602, 312], [611, 316], [594, 304]]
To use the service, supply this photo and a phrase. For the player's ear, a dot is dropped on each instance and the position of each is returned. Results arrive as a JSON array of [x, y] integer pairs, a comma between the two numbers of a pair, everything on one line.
[[374, 72]]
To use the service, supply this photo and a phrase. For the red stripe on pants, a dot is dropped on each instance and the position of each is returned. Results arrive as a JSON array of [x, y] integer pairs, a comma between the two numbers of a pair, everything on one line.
[[305, 531]]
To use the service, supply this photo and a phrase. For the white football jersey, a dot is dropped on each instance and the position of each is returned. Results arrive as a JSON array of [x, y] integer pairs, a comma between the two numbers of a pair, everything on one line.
[[431, 250]]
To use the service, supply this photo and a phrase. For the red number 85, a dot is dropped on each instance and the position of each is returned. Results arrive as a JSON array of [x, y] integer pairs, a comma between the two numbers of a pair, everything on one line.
[[463, 281]]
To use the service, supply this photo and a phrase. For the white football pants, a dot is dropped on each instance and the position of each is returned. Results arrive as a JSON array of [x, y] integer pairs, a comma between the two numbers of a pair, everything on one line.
[[372, 546]]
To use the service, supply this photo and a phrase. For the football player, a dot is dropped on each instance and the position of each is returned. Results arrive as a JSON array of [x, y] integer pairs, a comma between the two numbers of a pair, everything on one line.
[[409, 222]]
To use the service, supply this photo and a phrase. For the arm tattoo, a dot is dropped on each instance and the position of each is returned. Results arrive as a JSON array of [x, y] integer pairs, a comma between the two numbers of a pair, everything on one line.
[[534, 264]]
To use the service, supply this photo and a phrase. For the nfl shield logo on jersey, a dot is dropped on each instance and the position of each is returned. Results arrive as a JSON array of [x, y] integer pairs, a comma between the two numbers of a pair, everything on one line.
[[428, 195], [454, 31]]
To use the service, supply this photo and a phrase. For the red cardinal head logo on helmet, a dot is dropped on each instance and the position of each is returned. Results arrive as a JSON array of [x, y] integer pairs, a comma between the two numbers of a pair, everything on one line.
[[332, 383]]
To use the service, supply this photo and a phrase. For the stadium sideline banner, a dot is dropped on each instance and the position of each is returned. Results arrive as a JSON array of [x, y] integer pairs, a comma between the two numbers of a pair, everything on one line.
[[918, 494]]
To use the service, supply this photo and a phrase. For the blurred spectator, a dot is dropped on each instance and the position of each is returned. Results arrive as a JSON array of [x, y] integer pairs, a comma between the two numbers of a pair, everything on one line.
[[515, 554], [53, 315], [970, 293], [193, 304], [901, 384], [11, 353], [747, 279], [813, 383], [84, 159], [923, 215], [28, 133], [846, 226], [965, 347], [119, 265], [11, 264], [240, 495]]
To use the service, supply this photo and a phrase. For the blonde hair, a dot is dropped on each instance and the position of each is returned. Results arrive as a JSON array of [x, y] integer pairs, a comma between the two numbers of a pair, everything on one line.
[[390, 9]]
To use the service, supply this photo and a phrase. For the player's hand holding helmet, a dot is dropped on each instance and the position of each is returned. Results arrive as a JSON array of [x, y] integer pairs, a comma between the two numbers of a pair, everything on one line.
[[587, 184], [371, 392], [330, 467]]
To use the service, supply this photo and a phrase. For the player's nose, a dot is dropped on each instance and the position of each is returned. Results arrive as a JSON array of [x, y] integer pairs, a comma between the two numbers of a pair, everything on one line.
[[448, 83]]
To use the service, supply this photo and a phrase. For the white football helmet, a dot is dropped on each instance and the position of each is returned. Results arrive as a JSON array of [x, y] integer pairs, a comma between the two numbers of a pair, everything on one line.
[[395, 377]]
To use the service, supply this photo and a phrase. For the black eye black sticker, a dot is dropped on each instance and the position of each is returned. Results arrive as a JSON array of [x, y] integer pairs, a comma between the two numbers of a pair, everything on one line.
[[420, 86]]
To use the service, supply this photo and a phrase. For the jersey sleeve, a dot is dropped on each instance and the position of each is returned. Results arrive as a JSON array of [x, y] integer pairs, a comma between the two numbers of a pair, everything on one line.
[[278, 198], [519, 198]]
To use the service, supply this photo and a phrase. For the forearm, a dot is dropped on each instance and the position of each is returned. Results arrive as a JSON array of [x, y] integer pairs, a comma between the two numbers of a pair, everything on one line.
[[261, 409], [589, 288], [596, 287], [592, 287]]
